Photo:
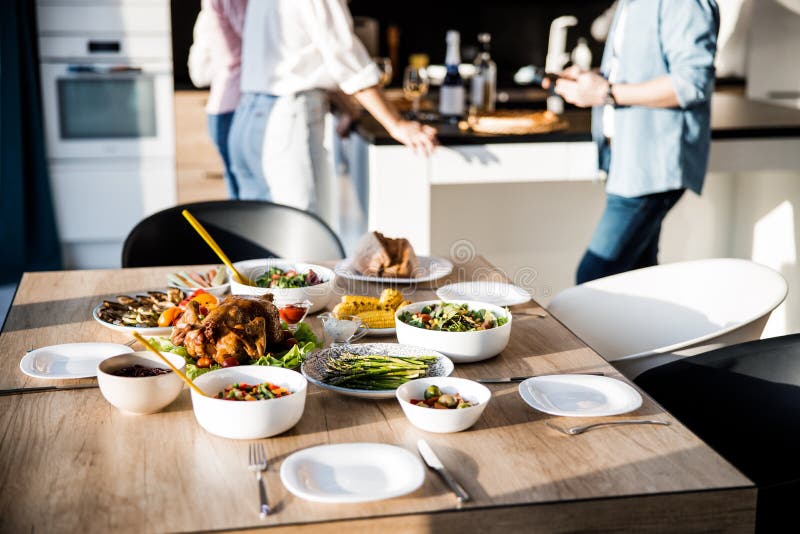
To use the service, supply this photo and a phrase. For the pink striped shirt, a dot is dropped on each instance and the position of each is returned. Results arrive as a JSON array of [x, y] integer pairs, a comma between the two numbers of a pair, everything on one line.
[[224, 37]]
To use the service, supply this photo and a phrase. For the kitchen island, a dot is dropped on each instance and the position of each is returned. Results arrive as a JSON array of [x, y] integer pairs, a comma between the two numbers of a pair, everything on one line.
[[530, 202]]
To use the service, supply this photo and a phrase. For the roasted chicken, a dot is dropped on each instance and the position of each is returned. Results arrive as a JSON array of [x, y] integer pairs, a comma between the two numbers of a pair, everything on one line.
[[241, 326]]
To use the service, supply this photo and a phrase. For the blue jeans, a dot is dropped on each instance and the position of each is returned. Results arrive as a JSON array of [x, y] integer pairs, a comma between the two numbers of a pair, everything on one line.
[[626, 237], [246, 141], [219, 126]]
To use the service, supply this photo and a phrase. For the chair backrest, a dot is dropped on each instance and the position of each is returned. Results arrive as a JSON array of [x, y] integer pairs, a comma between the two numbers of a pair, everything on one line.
[[245, 229], [668, 307]]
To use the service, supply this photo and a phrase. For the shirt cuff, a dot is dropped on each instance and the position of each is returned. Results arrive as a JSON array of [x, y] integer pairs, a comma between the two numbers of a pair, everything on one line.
[[367, 77], [686, 92]]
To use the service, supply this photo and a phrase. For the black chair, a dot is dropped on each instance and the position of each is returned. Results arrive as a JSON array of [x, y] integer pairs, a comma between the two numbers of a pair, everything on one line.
[[744, 401], [245, 229]]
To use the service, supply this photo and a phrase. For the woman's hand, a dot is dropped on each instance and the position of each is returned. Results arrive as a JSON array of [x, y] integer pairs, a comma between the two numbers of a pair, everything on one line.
[[420, 138]]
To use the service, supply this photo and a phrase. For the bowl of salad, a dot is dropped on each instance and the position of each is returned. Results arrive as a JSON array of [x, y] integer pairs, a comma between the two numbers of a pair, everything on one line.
[[249, 401], [465, 331], [288, 281]]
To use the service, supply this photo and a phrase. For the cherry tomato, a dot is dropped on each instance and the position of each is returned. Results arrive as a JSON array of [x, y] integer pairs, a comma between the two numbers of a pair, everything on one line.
[[204, 362], [233, 361], [424, 317]]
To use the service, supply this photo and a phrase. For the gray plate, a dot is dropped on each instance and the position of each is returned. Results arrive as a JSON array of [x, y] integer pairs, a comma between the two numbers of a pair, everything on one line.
[[313, 367]]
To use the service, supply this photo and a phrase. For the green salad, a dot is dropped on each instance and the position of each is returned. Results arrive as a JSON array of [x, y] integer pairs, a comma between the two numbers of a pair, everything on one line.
[[283, 279], [450, 317], [289, 359]]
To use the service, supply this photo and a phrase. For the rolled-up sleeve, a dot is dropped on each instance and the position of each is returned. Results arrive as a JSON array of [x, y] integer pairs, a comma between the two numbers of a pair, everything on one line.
[[331, 28], [688, 32]]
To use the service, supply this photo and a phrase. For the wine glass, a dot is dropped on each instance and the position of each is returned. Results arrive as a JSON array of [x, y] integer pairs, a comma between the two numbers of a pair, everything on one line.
[[415, 86], [384, 65]]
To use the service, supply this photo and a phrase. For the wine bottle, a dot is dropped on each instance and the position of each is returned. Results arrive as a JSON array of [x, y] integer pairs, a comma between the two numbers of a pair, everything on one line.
[[484, 82], [451, 94]]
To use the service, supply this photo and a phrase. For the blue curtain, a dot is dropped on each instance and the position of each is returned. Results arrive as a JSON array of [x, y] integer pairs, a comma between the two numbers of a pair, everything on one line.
[[28, 236]]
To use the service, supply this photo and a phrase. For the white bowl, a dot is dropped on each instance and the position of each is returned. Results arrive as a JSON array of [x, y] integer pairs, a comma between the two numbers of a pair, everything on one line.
[[443, 421], [319, 295], [249, 419], [461, 347], [140, 395], [218, 291]]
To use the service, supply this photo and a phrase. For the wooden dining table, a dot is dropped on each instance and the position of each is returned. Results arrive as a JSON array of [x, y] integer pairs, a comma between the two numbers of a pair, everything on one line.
[[69, 461]]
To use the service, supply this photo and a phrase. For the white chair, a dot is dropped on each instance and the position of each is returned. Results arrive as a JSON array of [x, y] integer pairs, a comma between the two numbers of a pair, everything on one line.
[[647, 317]]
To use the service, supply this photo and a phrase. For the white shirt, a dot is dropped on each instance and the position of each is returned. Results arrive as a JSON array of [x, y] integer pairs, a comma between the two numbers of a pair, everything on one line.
[[291, 46], [613, 66]]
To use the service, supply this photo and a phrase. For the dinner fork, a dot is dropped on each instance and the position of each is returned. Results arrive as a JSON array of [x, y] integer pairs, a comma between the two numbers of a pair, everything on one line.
[[575, 430], [258, 463]]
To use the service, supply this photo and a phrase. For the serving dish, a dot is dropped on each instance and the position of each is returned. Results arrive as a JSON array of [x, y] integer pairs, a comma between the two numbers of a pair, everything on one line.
[[319, 295], [249, 420], [429, 268], [314, 367], [579, 395], [69, 360], [140, 395], [145, 331], [489, 291], [352, 472], [461, 347], [443, 421], [177, 278]]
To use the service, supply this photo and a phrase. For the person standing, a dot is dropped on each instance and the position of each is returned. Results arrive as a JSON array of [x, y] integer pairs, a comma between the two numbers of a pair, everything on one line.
[[651, 122], [293, 52], [215, 60]]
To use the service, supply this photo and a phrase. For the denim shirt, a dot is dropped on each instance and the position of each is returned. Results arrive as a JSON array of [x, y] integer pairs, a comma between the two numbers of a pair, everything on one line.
[[661, 149]]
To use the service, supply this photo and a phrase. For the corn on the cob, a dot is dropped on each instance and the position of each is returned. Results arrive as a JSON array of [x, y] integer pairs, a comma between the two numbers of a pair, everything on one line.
[[404, 303], [391, 297], [354, 307], [378, 318], [360, 299]]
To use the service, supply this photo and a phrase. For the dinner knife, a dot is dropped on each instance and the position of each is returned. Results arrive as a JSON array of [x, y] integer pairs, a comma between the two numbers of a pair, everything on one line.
[[436, 464], [506, 380], [22, 391]]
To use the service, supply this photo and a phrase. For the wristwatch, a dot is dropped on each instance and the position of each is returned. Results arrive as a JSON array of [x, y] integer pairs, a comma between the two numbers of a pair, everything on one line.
[[610, 100]]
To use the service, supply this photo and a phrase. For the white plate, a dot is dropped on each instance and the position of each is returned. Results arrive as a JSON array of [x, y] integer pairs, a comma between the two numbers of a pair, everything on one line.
[[381, 332], [430, 268], [70, 360], [497, 293], [313, 367], [579, 395], [352, 472], [154, 331]]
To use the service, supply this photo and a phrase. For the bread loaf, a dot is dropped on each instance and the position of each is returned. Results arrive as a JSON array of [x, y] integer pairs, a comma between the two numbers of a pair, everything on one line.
[[378, 255]]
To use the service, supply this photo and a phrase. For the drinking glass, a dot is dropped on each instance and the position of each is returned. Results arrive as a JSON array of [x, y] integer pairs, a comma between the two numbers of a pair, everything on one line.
[[415, 86]]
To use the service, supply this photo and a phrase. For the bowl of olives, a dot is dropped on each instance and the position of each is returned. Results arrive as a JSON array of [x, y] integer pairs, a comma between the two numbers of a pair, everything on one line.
[[443, 404]]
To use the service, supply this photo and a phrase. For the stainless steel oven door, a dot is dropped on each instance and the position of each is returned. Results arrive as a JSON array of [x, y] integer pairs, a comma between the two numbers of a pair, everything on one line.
[[101, 110]]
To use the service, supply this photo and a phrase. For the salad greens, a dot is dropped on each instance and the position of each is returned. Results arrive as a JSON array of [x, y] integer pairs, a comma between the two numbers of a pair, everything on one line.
[[451, 317], [289, 359], [278, 278]]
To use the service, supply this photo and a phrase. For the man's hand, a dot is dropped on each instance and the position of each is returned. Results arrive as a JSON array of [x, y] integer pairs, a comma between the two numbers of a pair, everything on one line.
[[420, 138], [572, 72], [588, 89]]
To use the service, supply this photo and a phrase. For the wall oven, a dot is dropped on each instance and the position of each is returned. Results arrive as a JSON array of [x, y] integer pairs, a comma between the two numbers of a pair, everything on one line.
[[98, 110]]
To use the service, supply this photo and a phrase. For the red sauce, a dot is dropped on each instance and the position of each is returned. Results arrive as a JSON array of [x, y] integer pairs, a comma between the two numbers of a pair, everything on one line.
[[292, 313]]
